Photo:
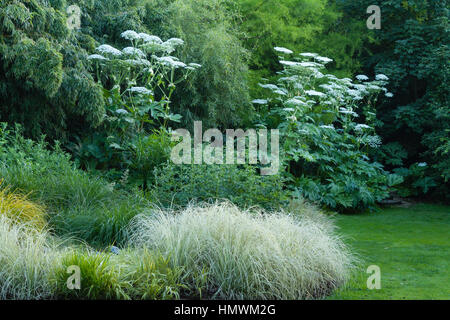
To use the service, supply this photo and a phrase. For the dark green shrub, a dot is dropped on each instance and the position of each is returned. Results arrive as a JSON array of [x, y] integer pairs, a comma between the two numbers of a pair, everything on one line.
[[177, 185], [413, 51]]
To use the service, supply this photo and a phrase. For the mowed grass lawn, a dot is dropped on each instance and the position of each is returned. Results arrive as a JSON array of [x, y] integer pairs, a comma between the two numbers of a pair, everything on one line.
[[410, 245]]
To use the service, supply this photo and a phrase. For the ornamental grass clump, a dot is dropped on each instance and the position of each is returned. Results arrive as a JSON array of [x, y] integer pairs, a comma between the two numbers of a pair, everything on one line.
[[26, 261], [19, 209], [248, 254]]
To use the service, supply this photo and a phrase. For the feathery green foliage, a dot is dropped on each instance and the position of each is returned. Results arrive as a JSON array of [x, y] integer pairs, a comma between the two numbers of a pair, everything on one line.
[[45, 82]]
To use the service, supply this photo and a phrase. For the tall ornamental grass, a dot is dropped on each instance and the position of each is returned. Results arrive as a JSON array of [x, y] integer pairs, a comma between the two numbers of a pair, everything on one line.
[[248, 254], [26, 261]]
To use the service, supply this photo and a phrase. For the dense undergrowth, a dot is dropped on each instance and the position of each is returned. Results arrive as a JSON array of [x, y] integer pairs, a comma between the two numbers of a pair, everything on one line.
[[54, 216]]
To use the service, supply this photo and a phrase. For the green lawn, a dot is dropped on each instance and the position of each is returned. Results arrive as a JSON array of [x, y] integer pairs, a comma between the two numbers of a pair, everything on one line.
[[410, 245]]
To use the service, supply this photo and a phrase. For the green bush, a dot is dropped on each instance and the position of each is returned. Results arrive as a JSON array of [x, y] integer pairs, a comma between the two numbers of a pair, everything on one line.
[[247, 255], [325, 147], [45, 82], [78, 204], [178, 185], [413, 52]]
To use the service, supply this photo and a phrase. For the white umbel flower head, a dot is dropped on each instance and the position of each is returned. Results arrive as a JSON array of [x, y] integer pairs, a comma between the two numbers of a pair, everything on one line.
[[309, 54], [107, 49], [290, 63], [389, 94], [295, 102], [314, 93], [422, 164], [97, 57], [130, 35], [139, 62], [362, 77], [381, 77], [361, 127], [324, 60], [148, 38], [175, 42], [283, 50], [171, 62], [133, 52], [260, 101], [141, 90]]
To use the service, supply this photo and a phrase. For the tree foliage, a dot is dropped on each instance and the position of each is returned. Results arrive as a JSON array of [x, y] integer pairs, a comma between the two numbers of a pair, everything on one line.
[[412, 48], [302, 26], [44, 79]]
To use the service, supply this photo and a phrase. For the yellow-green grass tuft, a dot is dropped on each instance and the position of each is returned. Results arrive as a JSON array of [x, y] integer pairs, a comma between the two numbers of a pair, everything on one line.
[[19, 209]]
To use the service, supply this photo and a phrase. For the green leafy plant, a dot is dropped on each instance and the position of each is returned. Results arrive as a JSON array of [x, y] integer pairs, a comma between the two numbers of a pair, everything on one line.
[[142, 77], [413, 52], [324, 148], [178, 185]]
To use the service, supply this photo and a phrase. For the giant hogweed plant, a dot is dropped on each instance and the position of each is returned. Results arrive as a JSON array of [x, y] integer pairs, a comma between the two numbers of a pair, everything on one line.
[[327, 125], [138, 83]]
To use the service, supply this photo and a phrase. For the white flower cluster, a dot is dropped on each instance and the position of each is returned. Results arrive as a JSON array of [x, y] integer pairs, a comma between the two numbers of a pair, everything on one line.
[[381, 77], [348, 111], [140, 90], [260, 101], [97, 57], [283, 50], [361, 127], [315, 93], [130, 35], [132, 51], [171, 62], [362, 77], [147, 44], [106, 49]]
